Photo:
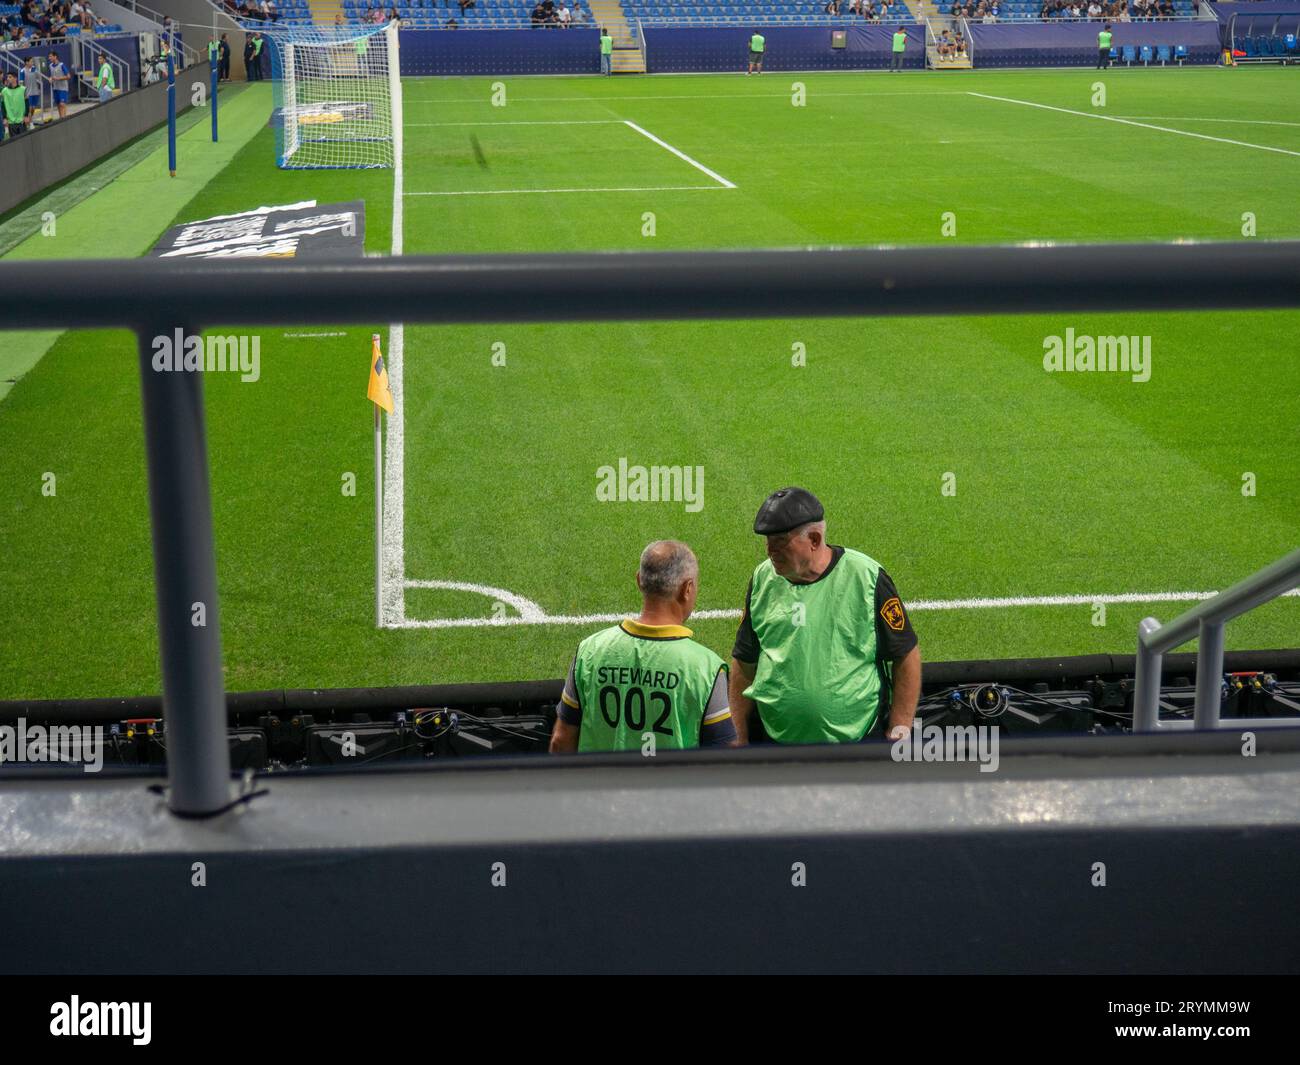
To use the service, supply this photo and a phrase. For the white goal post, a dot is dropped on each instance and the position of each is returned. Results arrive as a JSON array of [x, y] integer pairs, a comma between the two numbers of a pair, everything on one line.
[[338, 97]]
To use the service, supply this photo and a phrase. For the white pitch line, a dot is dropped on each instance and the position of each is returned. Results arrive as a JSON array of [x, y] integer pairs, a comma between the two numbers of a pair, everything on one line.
[[298, 336], [685, 96], [1232, 121], [526, 192], [393, 562], [919, 605], [528, 610], [680, 154], [530, 122], [1140, 125]]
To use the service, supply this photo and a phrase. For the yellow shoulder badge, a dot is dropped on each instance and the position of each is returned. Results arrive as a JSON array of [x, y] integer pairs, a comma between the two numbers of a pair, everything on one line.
[[892, 612]]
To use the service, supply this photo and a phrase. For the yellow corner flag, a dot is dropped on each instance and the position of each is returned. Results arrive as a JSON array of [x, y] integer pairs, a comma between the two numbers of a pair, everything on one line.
[[377, 391]]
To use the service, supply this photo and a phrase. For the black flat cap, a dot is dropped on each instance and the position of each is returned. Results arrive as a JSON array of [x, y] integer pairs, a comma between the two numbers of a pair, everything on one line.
[[786, 509]]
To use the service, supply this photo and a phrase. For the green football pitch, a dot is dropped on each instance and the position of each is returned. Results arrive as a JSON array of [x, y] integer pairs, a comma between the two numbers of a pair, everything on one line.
[[1021, 512]]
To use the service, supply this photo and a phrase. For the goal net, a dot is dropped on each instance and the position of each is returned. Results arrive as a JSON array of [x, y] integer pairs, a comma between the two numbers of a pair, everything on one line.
[[338, 97]]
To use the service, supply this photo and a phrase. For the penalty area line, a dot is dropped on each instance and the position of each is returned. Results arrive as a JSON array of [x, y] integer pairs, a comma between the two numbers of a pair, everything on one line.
[[680, 154], [1139, 125], [528, 192]]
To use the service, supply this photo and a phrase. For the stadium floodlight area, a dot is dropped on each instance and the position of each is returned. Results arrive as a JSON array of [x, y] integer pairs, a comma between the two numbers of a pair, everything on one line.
[[338, 97]]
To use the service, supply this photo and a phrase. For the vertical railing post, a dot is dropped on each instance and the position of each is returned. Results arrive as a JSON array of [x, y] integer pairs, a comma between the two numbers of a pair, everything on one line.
[[185, 574], [1146, 680], [1209, 675]]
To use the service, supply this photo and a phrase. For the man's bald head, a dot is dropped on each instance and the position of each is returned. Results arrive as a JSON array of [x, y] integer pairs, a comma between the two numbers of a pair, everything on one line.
[[665, 566]]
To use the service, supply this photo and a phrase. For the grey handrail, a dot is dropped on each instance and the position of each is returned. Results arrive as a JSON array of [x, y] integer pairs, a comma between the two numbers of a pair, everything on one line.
[[154, 297], [644, 286], [1204, 622]]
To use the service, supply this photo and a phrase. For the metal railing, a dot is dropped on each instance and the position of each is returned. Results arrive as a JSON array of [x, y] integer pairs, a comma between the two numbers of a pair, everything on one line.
[[87, 46], [1204, 623], [10, 64], [154, 298]]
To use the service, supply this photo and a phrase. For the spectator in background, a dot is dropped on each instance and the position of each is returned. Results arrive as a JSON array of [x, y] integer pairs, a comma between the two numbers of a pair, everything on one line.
[[565, 16], [14, 106], [59, 83], [87, 16], [104, 80], [249, 72], [223, 59]]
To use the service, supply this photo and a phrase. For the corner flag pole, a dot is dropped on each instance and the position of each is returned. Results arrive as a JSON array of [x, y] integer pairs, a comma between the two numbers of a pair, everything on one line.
[[377, 391], [379, 520]]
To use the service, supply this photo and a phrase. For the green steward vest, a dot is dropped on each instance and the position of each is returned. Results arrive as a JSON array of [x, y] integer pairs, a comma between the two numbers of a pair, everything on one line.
[[817, 680], [633, 679]]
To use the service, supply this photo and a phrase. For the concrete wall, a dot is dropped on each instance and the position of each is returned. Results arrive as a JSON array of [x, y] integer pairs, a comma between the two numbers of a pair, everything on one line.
[[39, 159]]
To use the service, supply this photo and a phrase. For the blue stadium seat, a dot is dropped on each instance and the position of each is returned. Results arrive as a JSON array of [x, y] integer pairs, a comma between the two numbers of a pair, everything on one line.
[[1145, 55], [1180, 53], [1130, 54], [1162, 53]]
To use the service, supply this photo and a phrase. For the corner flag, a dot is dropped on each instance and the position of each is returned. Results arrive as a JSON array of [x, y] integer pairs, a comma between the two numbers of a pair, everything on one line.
[[377, 391]]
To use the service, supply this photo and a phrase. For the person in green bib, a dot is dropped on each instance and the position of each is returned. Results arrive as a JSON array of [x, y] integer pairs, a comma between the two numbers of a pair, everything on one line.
[[259, 46], [13, 104], [105, 83], [825, 651], [644, 683], [1103, 47], [757, 45], [606, 51], [900, 46]]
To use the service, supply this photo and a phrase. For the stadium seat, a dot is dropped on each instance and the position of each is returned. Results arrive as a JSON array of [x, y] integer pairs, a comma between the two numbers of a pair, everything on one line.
[[1162, 54], [1130, 54], [1180, 53], [1145, 55]]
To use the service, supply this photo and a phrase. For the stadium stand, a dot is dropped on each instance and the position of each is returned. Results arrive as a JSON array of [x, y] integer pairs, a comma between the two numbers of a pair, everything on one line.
[[83, 40]]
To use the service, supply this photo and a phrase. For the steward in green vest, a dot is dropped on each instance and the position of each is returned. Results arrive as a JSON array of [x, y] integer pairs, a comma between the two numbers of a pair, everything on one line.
[[13, 104], [1103, 47], [645, 684], [899, 47], [757, 46], [825, 649]]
